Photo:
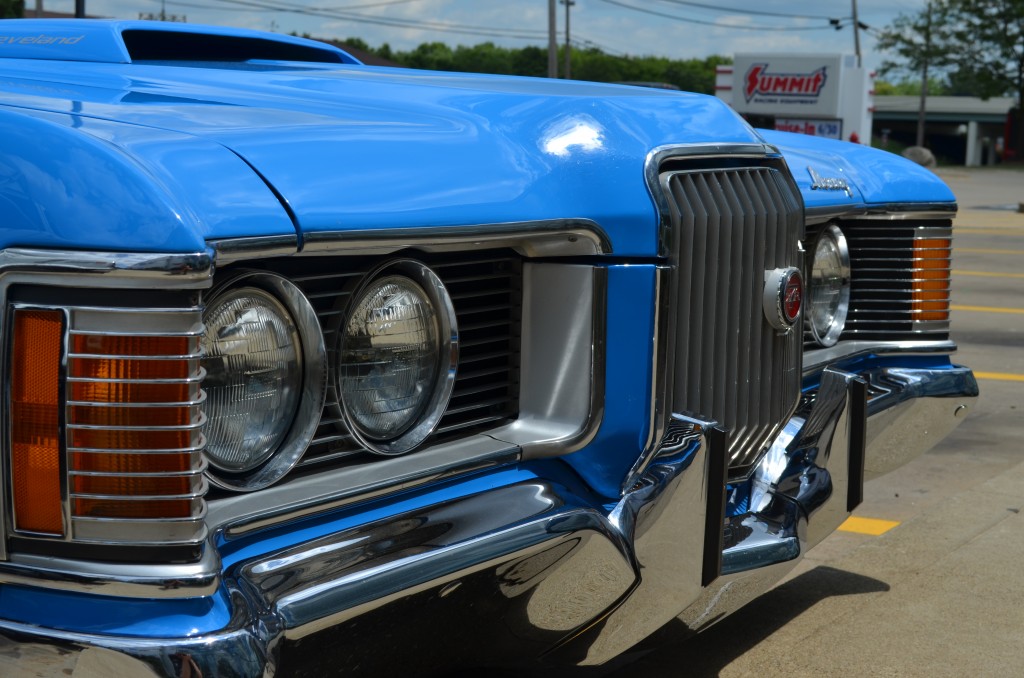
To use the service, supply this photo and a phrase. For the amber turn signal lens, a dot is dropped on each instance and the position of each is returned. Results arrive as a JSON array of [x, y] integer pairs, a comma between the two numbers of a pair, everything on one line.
[[35, 420], [931, 271], [133, 345]]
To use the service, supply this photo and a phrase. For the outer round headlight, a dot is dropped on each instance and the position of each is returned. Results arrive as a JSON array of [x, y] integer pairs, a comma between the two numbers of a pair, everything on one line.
[[264, 370], [397, 357], [829, 286]]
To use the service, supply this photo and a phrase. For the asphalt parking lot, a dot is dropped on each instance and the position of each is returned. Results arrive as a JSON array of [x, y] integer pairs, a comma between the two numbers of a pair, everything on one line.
[[931, 582]]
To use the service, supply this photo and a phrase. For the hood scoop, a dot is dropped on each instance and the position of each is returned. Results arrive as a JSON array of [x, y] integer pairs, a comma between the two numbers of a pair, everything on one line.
[[121, 42]]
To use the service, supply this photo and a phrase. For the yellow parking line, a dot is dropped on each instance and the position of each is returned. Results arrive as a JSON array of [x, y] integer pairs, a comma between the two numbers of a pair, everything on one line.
[[872, 526], [967, 230], [999, 376], [988, 274], [987, 309], [978, 250]]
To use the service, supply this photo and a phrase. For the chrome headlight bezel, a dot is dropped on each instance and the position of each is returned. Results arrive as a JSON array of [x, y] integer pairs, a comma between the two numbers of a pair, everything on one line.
[[312, 381], [826, 318], [443, 381]]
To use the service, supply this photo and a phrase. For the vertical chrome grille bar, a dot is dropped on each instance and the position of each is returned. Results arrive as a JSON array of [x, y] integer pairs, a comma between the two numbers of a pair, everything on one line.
[[733, 224]]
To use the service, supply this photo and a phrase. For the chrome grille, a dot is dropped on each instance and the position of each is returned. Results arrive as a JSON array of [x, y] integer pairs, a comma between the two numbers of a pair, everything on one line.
[[486, 293], [883, 284], [732, 226], [134, 427]]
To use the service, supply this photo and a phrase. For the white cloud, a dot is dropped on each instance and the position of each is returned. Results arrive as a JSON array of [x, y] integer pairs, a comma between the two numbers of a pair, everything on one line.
[[607, 25]]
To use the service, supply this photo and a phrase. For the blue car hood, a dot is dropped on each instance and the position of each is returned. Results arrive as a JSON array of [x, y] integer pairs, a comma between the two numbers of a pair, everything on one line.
[[167, 155], [350, 147], [876, 178]]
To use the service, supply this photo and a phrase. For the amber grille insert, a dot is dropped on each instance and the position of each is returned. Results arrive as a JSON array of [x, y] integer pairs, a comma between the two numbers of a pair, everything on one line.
[[134, 425], [899, 281]]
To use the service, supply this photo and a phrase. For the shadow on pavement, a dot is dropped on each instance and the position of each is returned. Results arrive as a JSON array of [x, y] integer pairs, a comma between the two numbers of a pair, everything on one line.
[[677, 652]]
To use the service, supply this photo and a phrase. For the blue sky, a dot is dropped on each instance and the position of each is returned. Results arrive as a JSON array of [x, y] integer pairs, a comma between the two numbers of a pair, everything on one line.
[[671, 28]]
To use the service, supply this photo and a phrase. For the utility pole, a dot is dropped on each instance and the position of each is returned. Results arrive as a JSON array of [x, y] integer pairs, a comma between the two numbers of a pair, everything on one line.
[[39, 8], [568, 47], [79, 9], [552, 40], [856, 33], [921, 109]]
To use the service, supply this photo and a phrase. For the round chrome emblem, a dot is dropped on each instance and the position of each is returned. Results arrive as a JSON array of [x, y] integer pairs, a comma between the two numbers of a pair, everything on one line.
[[783, 297]]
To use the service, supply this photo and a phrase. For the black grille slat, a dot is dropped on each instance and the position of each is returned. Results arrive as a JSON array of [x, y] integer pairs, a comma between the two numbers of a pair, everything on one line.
[[882, 285], [485, 293]]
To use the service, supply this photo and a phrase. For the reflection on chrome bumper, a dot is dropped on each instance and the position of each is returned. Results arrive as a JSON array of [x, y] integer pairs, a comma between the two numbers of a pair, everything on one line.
[[807, 484], [854, 427], [531, 569]]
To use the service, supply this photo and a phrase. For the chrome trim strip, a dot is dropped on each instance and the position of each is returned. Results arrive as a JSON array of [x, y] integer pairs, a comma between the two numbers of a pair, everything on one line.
[[115, 333], [662, 372], [815, 359], [163, 450], [117, 356], [154, 533], [240, 514], [231, 250], [134, 498], [196, 379], [182, 427], [92, 403], [549, 238], [160, 581], [174, 271], [662, 154], [195, 473], [883, 212], [198, 519]]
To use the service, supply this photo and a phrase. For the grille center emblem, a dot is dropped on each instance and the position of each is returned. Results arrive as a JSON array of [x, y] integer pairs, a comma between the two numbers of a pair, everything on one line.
[[783, 297]]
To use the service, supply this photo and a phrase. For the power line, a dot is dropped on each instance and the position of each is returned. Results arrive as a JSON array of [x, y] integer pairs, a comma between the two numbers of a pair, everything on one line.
[[580, 42], [486, 31], [274, 8], [715, 24], [719, 8]]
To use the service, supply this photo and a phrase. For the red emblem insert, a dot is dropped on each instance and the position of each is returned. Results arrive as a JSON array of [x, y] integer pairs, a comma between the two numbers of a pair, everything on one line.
[[793, 297]]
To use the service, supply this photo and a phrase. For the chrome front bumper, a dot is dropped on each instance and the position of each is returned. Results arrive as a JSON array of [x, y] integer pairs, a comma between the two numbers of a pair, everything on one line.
[[534, 570]]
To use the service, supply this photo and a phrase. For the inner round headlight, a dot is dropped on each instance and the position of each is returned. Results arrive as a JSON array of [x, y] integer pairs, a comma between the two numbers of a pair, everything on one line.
[[397, 358], [829, 286], [266, 379], [253, 377]]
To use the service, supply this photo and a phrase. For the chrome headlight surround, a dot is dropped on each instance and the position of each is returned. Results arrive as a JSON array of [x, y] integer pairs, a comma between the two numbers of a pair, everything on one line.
[[312, 382], [829, 286], [442, 382]]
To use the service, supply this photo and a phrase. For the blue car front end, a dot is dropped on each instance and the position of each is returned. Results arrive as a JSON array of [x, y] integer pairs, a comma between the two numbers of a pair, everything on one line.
[[643, 418]]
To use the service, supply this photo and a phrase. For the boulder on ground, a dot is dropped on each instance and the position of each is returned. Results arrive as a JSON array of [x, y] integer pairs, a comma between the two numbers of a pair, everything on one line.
[[921, 155]]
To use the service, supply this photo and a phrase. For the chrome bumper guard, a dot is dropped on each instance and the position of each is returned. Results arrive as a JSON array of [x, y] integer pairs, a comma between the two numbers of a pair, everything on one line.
[[532, 569]]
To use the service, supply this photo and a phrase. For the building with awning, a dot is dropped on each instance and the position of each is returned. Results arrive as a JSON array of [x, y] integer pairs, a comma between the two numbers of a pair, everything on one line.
[[961, 129]]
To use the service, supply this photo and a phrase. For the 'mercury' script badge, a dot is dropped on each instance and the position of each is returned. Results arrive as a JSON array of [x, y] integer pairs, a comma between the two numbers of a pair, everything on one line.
[[820, 183]]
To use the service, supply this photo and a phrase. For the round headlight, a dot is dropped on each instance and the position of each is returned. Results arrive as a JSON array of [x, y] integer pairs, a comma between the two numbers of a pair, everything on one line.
[[830, 287], [264, 364], [397, 357]]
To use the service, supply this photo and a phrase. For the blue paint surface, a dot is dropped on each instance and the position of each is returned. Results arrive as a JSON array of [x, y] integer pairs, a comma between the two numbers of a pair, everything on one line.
[[85, 613], [876, 177]]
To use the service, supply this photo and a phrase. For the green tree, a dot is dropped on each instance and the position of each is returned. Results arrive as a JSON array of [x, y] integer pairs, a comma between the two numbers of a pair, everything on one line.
[[693, 75], [979, 42], [12, 9], [912, 87]]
